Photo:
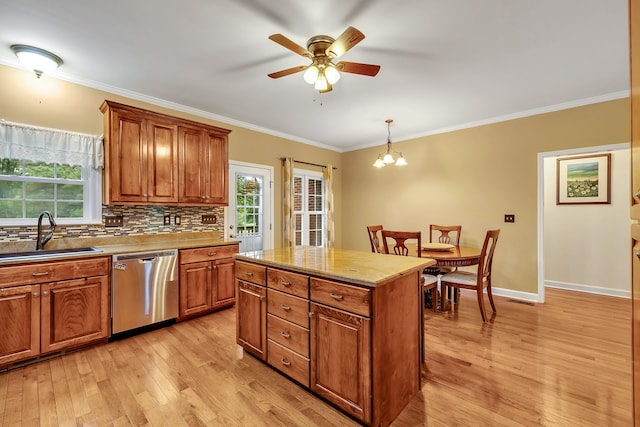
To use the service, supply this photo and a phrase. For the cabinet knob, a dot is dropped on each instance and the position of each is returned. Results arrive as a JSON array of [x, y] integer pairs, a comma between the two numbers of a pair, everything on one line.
[[262, 297], [35, 294], [45, 293]]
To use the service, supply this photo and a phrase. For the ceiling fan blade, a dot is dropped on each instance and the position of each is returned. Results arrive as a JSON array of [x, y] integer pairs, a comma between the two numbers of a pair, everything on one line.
[[346, 41], [289, 44], [288, 71], [358, 68]]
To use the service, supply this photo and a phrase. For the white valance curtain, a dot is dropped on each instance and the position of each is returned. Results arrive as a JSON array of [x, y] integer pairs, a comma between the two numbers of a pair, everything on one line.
[[18, 141]]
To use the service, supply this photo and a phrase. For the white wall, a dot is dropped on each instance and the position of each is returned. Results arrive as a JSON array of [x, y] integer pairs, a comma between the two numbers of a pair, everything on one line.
[[587, 247]]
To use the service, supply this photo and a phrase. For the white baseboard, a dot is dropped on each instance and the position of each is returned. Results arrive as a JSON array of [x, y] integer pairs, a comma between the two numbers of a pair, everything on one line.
[[621, 293], [510, 293]]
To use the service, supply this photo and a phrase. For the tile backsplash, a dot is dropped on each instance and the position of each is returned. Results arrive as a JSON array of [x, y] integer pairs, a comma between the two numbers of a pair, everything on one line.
[[137, 220]]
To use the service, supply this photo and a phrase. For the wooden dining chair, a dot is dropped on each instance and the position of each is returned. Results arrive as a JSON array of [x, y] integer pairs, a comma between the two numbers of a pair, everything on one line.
[[375, 238], [445, 234], [399, 238], [479, 280]]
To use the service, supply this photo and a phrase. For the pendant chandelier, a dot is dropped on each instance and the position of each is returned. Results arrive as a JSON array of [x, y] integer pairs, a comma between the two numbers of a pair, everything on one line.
[[387, 159]]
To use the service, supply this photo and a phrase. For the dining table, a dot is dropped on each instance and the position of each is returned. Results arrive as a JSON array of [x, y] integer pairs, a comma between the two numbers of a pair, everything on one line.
[[446, 256]]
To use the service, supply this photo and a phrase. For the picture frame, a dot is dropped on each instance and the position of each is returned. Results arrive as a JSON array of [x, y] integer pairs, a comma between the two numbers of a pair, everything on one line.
[[584, 179]]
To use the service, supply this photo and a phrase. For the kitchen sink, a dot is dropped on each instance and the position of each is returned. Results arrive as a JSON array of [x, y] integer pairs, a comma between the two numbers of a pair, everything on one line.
[[47, 253]]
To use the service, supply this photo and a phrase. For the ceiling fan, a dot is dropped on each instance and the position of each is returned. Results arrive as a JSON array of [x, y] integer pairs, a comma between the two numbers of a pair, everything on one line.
[[322, 50]]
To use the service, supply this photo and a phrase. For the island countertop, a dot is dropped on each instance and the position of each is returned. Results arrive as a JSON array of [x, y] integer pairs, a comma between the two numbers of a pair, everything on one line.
[[363, 268]]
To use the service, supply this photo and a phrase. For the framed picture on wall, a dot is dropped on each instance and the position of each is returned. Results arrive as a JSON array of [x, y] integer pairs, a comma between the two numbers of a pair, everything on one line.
[[584, 179]]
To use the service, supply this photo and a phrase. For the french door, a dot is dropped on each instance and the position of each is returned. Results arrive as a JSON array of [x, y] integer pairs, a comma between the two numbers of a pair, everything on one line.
[[249, 217]]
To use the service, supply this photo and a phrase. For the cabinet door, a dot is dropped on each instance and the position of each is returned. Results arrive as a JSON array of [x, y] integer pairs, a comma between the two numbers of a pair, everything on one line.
[[20, 320], [217, 157], [195, 288], [126, 173], [74, 312], [341, 359], [251, 322], [162, 160], [223, 287], [193, 166]]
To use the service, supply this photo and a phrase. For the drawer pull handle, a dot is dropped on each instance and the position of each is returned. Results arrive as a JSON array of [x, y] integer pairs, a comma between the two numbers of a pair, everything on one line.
[[285, 283], [285, 307], [46, 273], [285, 334], [284, 362], [211, 254], [248, 273], [336, 297], [262, 297]]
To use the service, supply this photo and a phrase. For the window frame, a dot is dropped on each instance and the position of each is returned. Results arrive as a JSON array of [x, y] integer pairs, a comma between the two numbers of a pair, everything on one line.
[[91, 181], [306, 175]]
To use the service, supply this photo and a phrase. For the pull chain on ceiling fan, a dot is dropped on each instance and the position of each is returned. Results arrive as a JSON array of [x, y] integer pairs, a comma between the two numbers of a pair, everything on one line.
[[322, 50]]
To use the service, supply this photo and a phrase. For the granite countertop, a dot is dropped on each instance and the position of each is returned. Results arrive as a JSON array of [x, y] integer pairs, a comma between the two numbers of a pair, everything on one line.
[[115, 245], [363, 268]]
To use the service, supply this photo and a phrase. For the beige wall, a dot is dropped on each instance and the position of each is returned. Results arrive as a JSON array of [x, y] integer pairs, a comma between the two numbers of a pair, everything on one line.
[[470, 177], [62, 105], [473, 177]]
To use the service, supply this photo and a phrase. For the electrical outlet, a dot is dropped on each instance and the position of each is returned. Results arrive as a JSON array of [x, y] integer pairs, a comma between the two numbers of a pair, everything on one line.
[[167, 220], [113, 220], [509, 218], [209, 219]]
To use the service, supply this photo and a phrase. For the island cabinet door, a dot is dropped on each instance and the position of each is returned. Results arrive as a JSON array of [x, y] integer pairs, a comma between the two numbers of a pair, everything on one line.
[[341, 359], [251, 322]]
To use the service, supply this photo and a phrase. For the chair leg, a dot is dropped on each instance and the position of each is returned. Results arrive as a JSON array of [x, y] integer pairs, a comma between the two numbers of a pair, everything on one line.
[[493, 306], [481, 303]]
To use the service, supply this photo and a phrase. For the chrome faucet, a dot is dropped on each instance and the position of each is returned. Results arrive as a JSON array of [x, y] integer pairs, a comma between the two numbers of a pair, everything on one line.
[[42, 240]]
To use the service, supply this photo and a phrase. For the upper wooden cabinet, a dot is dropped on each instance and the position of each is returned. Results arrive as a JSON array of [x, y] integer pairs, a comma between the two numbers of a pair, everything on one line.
[[155, 159]]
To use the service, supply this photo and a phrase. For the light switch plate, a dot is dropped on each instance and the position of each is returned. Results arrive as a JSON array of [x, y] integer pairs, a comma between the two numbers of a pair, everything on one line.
[[176, 220], [113, 220], [209, 219]]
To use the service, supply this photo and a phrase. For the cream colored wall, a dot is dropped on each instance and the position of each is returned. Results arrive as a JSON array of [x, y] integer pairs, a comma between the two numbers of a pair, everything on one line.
[[473, 177], [575, 233], [58, 104]]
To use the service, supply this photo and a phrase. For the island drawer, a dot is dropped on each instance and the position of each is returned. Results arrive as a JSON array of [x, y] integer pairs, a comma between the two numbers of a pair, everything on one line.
[[288, 334], [345, 297], [206, 254], [288, 307], [288, 362], [286, 281], [27, 274], [251, 273]]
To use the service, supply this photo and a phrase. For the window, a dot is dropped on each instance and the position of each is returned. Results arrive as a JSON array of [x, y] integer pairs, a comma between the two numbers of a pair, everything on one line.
[[308, 207], [28, 188]]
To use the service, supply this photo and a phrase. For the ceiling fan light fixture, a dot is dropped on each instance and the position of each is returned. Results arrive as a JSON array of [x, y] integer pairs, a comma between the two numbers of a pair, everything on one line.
[[39, 60], [311, 75], [321, 83]]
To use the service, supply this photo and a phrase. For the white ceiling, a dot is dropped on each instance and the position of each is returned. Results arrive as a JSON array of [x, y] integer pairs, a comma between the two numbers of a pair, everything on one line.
[[445, 64]]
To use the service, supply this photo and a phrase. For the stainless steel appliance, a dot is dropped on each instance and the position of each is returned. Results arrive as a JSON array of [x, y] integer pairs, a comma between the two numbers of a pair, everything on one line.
[[144, 289]]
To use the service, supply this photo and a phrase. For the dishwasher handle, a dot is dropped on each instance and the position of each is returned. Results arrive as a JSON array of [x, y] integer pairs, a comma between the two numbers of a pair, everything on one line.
[[147, 260]]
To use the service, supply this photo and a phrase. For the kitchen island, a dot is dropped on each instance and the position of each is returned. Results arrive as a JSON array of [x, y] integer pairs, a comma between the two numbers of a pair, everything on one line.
[[345, 324]]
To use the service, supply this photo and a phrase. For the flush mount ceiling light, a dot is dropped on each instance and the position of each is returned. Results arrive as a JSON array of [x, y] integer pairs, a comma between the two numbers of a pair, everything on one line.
[[387, 159], [39, 60]]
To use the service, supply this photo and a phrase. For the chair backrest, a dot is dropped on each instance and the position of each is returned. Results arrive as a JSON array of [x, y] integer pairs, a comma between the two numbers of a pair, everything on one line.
[[399, 239], [374, 239], [486, 256], [448, 234]]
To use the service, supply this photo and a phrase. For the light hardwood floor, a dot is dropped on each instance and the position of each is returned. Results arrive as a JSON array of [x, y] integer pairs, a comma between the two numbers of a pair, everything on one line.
[[563, 363]]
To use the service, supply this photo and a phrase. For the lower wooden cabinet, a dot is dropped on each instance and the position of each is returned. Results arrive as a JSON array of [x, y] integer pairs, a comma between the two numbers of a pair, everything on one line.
[[206, 280], [251, 322], [341, 359], [65, 305]]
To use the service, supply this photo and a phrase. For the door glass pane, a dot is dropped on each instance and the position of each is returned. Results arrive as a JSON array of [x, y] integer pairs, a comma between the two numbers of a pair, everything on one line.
[[249, 216]]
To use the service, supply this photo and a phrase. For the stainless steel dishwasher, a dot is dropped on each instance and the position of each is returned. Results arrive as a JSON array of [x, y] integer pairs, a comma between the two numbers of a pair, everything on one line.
[[144, 289]]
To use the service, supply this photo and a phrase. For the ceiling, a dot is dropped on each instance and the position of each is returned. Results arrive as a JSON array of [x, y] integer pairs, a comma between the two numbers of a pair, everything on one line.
[[444, 64]]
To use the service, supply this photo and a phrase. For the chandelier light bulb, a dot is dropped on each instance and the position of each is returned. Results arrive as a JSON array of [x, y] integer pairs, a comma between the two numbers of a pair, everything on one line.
[[321, 83]]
